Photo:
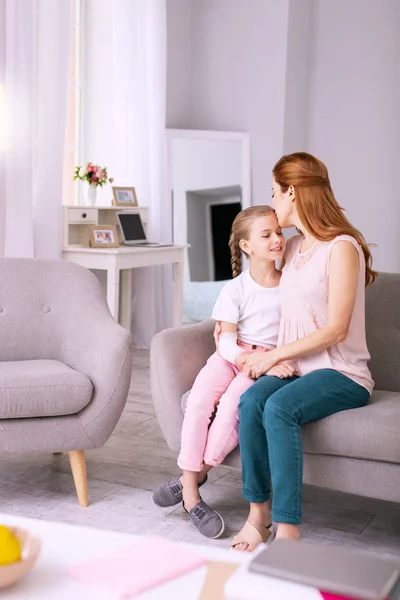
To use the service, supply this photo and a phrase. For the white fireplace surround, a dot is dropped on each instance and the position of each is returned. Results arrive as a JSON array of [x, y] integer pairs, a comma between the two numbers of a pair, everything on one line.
[[219, 165]]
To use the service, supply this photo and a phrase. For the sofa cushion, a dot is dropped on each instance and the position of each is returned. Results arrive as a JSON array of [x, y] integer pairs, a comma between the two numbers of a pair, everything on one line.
[[371, 432], [41, 388]]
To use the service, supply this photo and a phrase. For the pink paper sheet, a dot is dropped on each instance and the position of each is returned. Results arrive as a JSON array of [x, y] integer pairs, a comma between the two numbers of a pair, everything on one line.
[[327, 596], [144, 564]]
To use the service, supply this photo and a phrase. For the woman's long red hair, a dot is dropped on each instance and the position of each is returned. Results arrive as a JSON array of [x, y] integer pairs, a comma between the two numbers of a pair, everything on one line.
[[316, 204]]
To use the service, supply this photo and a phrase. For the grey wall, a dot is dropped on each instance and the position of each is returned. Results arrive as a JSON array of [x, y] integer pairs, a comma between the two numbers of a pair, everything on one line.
[[321, 76], [297, 80], [354, 114], [180, 30], [231, 70]]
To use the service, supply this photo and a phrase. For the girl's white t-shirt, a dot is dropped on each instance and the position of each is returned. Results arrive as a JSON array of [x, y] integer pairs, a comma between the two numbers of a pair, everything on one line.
[[255, 309]]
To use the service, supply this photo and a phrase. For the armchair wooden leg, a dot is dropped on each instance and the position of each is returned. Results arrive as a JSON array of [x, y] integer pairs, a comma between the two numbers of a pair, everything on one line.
[[78, 466]]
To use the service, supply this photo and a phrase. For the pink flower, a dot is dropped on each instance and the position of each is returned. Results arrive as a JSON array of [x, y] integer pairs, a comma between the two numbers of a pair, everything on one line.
[[93, 174]]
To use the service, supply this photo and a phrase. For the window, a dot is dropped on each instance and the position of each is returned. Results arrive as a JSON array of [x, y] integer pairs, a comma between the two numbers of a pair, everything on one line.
[[72, 149]]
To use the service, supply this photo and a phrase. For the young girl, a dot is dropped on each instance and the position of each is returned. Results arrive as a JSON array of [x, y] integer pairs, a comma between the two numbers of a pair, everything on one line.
[[248, 308]]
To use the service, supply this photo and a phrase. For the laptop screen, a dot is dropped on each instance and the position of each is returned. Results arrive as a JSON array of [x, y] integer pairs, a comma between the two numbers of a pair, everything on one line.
[[132, 227]]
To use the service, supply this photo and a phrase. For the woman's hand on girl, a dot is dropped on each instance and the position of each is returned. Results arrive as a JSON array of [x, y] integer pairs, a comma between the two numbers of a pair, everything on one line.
[[264, 363], [282, 370], [259, 363], [240, 360]]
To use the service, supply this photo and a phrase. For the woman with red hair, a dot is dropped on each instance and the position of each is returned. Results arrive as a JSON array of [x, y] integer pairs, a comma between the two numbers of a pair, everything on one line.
[[322, 334]]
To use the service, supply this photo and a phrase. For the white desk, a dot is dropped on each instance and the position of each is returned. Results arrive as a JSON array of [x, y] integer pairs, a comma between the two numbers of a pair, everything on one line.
[[118, 263], [66, 545]]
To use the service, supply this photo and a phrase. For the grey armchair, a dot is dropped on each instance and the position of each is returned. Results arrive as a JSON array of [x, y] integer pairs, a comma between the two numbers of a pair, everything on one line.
[[356, 451], [65, 364]]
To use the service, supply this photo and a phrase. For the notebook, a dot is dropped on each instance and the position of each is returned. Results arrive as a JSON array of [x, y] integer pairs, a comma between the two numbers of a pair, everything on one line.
[[136, 568], [334, 569]]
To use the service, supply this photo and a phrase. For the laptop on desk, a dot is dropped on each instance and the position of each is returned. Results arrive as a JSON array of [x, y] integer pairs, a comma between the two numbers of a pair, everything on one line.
[[133, 231]]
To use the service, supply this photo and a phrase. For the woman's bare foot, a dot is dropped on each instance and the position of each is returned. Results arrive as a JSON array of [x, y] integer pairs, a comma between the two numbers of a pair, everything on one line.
[[259, 515], [285, 531]]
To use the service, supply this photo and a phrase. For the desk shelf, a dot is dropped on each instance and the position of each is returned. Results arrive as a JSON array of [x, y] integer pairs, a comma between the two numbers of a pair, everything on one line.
[[77, 218]]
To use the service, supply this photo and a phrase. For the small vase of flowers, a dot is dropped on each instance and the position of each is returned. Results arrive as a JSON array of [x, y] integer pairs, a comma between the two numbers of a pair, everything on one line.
[[95, 176]]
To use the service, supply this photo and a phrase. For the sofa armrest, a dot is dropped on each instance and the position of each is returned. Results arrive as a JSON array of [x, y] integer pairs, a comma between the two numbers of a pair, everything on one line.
[[97, 346], [176, 357]]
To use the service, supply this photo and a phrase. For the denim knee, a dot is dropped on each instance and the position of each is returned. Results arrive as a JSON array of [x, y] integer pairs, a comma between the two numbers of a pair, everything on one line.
[[275, 410], [252, 399]]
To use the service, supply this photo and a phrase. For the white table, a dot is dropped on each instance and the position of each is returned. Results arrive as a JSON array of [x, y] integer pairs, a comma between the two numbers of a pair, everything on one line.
[[65, 545], [119, 262]]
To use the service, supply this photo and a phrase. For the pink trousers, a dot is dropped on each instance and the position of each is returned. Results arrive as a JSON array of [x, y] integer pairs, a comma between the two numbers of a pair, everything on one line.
[[219, 384]]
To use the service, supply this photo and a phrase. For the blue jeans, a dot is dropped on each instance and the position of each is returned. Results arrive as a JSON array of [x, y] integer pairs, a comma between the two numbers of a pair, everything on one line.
[[271, 413]]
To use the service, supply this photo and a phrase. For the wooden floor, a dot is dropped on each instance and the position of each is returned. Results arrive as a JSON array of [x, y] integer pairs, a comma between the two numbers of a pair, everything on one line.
[[136, 460]]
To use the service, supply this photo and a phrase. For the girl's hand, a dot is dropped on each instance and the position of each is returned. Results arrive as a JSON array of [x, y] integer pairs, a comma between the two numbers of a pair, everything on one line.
[[259, 363], [282, 370], [217, 333], [241, 360]]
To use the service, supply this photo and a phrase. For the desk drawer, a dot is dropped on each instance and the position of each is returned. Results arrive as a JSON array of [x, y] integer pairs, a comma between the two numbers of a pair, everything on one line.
[[82, 215]]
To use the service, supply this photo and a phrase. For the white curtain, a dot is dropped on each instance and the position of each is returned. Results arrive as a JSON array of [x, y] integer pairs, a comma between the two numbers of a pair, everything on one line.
[[36, 61], [123, 127]]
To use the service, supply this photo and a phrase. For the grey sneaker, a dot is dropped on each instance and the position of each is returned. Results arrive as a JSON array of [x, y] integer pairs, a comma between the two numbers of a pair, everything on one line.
[[206, 519], [170, 493]]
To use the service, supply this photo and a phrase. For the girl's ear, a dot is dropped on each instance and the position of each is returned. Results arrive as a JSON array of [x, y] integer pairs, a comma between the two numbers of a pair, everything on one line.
[[291, 193], [244, 246]]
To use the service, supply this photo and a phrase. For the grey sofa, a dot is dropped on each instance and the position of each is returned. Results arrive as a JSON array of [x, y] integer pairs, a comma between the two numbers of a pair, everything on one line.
[[356, 451], [65, 364]]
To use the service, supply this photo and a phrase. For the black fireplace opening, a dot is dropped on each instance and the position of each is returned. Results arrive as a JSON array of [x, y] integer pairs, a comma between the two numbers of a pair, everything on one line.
[[222, 217]]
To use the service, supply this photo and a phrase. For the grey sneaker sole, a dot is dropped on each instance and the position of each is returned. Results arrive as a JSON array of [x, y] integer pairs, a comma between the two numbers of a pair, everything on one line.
[[215, 537]]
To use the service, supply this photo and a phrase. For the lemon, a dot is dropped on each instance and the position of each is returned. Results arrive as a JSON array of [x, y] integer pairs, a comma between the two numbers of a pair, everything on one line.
[[10, 548]]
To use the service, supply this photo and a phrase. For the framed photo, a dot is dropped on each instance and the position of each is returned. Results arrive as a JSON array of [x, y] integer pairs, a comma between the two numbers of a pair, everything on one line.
[[124, 196], [103, 236]]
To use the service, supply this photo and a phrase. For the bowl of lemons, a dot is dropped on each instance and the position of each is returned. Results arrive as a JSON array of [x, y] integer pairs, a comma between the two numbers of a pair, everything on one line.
[[18, 553]]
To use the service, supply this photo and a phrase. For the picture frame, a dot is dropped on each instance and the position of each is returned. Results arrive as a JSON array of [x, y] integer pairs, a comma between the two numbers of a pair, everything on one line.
[[124, 196], [103, 236]]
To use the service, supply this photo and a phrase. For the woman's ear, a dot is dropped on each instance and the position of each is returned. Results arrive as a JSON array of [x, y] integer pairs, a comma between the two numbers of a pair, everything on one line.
[[291, 193]]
